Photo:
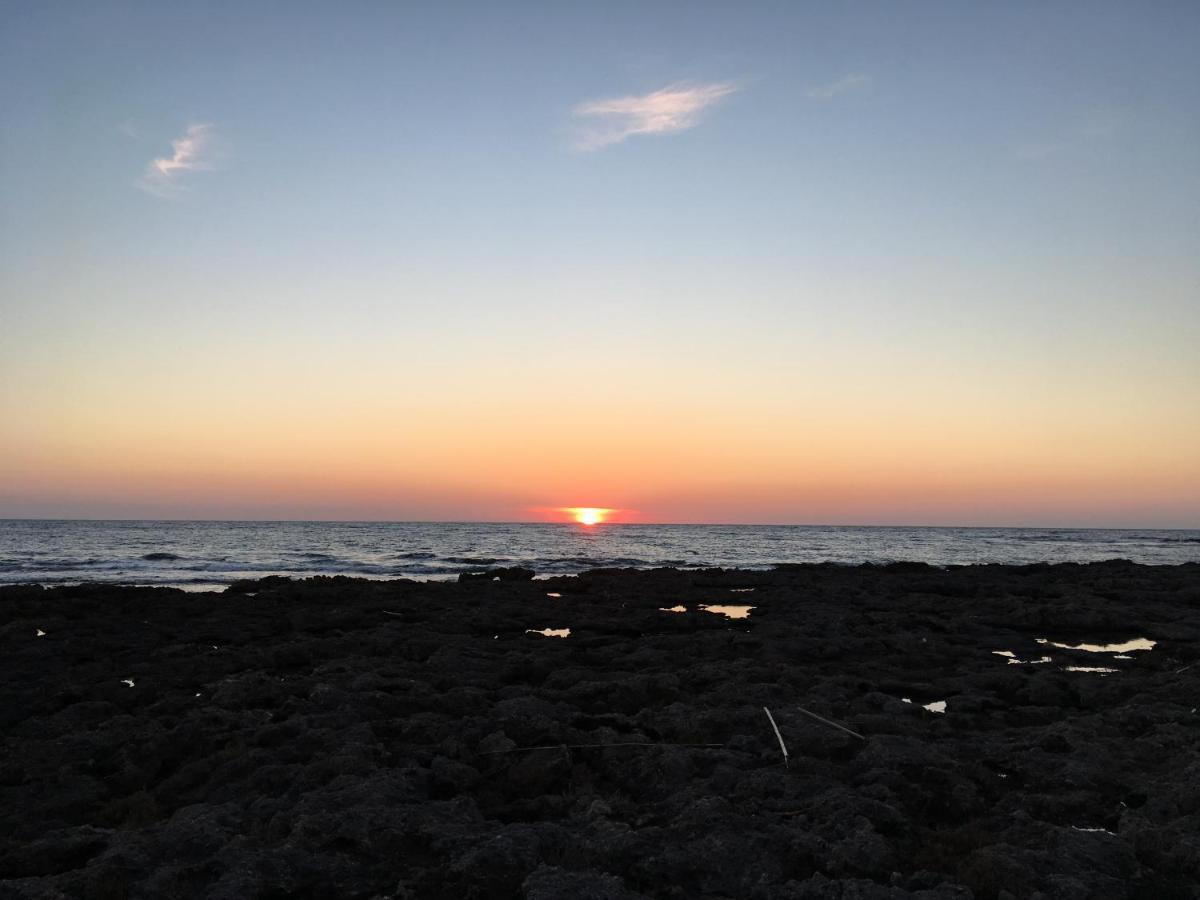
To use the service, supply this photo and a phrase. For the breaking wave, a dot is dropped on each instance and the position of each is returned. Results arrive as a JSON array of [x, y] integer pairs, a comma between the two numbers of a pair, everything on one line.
[[213, 554]]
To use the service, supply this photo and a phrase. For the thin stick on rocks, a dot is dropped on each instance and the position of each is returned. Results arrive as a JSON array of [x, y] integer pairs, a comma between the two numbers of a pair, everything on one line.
[[779, 737], [813, 715]]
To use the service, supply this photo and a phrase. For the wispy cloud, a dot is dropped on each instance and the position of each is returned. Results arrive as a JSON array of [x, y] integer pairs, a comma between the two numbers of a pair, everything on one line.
[[190, 154], [844, 85], [666, 111], [1094, 128]]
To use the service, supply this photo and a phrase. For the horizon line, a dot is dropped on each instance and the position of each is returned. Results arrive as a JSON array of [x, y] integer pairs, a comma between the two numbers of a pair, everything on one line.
[[597, 525]]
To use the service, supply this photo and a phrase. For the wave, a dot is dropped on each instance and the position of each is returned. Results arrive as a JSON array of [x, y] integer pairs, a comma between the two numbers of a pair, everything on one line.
[[208, 553]]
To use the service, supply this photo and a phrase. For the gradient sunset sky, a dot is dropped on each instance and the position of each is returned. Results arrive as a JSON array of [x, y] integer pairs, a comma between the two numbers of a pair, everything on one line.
[[929, 263]]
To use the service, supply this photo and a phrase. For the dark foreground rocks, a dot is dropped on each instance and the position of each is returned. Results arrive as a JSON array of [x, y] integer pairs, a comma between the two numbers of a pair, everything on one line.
[[342, 738]]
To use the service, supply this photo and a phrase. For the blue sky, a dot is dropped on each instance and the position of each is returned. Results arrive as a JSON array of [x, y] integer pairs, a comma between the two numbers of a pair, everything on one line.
[[941, 188], [963, 129]]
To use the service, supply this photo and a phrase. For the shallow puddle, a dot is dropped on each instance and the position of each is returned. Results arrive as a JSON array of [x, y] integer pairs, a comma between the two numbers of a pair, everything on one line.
[[732, 612], [128, 681], [1125, 647], [1013, 661], [674, 609], [41, 633], [553, 594], [741, 590], [1103, 670], [550, 632], [937, 706]]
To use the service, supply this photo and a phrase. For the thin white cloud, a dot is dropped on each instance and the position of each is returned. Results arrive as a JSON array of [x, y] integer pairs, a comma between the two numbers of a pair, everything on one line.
[[1096, 127], [852, 82], [667, 111], [162, 175]]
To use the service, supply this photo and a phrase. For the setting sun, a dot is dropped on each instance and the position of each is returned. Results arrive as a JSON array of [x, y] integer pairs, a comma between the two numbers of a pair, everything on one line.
[[588, 515], [583, 515]]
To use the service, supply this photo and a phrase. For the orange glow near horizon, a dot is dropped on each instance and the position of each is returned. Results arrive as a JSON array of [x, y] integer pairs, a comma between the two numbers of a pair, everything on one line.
[[588, 515]]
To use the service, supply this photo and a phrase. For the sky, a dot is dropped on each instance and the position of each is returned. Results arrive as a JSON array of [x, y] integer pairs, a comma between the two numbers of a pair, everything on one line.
[[821, 263]]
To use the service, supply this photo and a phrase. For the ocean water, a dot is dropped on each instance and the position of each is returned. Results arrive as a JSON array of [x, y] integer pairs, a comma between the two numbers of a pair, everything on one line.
[[208, 555]]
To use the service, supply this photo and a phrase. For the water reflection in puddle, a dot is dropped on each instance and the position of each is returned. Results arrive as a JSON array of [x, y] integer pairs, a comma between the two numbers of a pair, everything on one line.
[[128, 681], [741, 590], [550, 632], [1101, 669], [1013, 661], [553, 594], [732, 612], [937, 706], [1093, 830], [1135, 644], [674, 609], [41, 633]]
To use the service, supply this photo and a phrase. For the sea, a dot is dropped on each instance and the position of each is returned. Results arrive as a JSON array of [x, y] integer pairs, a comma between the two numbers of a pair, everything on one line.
[[210, 555]]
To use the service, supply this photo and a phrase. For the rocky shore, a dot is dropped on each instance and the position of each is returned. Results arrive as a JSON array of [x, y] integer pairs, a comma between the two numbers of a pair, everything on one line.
[[1004, 732]]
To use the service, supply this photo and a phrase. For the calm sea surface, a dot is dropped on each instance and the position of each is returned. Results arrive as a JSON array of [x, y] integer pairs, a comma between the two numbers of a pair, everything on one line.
[[206, 555]]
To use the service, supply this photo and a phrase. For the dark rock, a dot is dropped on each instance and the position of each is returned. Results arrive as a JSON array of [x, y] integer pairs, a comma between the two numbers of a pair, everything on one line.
[[339, 738]]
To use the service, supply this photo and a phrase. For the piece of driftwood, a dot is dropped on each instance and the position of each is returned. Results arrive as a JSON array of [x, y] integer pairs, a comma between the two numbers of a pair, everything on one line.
[[831, 723], [779, 737]]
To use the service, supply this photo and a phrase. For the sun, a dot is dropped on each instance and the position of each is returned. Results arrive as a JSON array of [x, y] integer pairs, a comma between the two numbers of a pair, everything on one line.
[[588, 515]]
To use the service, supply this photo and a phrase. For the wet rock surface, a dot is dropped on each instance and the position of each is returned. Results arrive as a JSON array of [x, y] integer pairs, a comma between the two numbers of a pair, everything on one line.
[[345, 738]]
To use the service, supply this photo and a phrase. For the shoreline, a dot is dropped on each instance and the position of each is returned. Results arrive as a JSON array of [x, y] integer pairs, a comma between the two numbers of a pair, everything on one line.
[[220, 587], [371, 738]]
